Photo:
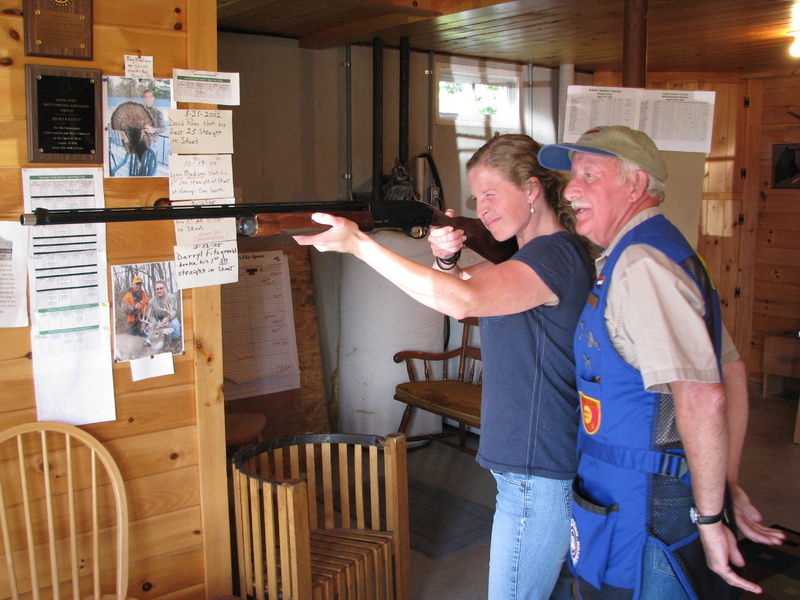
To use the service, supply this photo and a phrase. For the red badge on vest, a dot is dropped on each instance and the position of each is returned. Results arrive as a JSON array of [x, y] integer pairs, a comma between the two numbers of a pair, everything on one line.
[[590, 409]]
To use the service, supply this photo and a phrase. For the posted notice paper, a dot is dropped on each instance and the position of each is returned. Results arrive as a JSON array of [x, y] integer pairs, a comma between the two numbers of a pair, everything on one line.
[[70, 317], [207, 87], [190, 232], [676, 120], [201, 131], [199, 177], [13, 265], [258, 334]]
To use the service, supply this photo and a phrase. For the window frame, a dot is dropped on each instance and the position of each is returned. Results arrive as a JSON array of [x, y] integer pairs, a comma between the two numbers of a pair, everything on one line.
[[474, 72]]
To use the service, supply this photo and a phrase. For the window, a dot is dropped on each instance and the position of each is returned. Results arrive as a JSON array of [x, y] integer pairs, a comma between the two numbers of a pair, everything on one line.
[[475, 93]]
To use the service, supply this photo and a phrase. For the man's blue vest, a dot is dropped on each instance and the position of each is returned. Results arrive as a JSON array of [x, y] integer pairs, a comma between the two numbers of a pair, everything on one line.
[[633, 483]]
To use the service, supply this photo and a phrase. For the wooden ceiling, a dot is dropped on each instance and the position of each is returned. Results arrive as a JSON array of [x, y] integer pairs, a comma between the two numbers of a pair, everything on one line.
[[721, 36]]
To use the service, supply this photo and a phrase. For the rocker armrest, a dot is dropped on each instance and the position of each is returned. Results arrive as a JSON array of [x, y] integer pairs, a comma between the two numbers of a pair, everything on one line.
[[420, 355]]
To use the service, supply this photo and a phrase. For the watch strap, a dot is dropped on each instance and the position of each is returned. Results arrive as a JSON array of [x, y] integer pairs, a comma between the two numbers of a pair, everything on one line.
[[706, 520]]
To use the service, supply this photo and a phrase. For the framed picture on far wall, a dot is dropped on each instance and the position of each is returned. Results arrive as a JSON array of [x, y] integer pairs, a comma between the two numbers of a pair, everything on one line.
[[786, 166], [136, 126]]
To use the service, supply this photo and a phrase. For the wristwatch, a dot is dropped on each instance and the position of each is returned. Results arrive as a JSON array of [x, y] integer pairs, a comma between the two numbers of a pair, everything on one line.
[[698, 519]]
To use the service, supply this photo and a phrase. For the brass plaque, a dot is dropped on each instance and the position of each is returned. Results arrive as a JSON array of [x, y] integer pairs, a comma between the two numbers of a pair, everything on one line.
[[64, 114], [60, 28]]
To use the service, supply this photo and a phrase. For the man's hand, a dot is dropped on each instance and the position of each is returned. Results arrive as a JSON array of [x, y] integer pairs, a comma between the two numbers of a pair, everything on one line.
[[721, 550], [748, 519], [446, 241]]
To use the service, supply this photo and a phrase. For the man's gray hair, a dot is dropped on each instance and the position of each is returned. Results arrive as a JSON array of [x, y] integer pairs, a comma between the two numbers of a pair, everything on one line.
[[655, 187]]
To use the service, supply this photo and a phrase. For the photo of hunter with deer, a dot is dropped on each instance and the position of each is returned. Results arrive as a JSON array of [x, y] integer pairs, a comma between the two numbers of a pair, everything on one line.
[[148, 319]]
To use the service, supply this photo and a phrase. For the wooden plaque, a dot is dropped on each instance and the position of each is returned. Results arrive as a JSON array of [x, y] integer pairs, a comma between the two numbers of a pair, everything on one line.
[[64, 114], [60, 28]]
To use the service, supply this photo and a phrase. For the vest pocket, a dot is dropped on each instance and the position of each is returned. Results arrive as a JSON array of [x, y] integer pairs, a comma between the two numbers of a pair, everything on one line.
[[592, 533]]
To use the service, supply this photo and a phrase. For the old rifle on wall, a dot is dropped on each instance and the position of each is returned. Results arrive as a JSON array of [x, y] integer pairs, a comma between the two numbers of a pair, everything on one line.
[[276, 219]]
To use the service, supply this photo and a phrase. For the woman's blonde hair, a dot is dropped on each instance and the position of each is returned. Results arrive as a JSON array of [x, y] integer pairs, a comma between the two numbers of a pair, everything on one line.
[[515, 157]]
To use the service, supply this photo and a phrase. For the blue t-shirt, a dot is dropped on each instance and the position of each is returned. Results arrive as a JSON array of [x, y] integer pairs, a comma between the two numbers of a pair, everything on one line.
[[529, 418]]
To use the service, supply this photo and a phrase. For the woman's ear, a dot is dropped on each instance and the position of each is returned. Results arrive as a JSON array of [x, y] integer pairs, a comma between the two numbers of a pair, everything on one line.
[[534, 186]]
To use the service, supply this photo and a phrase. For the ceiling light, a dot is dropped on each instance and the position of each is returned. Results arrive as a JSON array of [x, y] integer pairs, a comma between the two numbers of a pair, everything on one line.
[[794, 49]]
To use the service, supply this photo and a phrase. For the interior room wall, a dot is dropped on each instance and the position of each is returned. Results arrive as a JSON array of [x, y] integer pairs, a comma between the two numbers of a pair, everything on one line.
[[291, 140]]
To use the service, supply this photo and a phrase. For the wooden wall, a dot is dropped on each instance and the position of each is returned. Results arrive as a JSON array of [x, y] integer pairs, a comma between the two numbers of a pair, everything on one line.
[[169, 435], [770, 255]]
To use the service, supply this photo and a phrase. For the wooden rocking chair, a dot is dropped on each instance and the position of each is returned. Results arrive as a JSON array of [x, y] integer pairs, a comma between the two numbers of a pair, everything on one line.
[[457, 399]]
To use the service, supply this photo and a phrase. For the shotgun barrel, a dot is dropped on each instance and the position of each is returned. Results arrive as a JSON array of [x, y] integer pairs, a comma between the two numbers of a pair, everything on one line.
[[274, 219]]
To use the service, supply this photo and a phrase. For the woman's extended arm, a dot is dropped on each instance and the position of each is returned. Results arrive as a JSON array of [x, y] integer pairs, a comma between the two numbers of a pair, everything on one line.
[[507, 288]]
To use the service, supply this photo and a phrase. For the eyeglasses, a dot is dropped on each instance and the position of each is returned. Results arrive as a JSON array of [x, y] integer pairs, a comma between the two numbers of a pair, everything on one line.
[[160, 288]]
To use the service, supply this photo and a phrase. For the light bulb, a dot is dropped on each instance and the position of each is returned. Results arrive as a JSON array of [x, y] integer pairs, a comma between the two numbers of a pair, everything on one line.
[[794, 49]]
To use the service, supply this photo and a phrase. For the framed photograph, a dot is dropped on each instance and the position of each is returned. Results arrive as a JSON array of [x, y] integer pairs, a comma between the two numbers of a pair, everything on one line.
[[58, 28], [786, 166], [136, 123], [148, 310], [63, 114]]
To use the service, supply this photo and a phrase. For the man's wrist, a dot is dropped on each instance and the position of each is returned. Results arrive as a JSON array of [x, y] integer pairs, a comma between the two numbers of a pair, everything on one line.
[[699, 519]]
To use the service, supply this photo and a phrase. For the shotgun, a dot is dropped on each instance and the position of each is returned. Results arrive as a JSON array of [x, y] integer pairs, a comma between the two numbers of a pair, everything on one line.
[[269, 219]]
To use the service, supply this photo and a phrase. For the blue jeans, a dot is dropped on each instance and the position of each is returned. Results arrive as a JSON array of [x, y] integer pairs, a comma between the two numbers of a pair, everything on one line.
[[659, 581], [530, 537], [176, 328]]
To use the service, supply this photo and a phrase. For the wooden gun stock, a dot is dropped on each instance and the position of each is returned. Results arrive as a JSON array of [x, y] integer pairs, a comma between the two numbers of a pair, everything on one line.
[[478, 237]]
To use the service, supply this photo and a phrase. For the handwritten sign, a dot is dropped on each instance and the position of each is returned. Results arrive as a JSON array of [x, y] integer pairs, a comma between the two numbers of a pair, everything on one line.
[[138, 67], [201, 131], [197, 177], [206, 264], [190, 232]]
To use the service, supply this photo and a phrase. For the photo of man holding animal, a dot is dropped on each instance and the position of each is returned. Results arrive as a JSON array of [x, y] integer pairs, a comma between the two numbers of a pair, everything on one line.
[[158, 321], [137, 126]]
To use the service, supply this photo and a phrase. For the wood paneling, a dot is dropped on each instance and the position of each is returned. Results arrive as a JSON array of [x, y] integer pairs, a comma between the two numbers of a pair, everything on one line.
[[168, 437], [773, 216]]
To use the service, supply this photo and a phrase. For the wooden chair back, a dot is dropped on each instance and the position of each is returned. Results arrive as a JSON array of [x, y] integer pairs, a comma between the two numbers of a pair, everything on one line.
[[63, 515], [323, 516], [436, 365], [456, 398]]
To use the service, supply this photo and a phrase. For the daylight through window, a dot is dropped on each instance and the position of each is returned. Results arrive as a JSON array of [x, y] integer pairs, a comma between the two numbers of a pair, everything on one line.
[[479, 95]]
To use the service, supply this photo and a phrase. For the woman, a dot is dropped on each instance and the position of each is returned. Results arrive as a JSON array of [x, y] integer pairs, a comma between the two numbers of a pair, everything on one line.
[[529, 307]]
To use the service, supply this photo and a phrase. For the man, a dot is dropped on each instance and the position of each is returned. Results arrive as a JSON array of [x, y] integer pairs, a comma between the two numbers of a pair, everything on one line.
[[153, 131], [164, 309], [649, 517], [134, 305]]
